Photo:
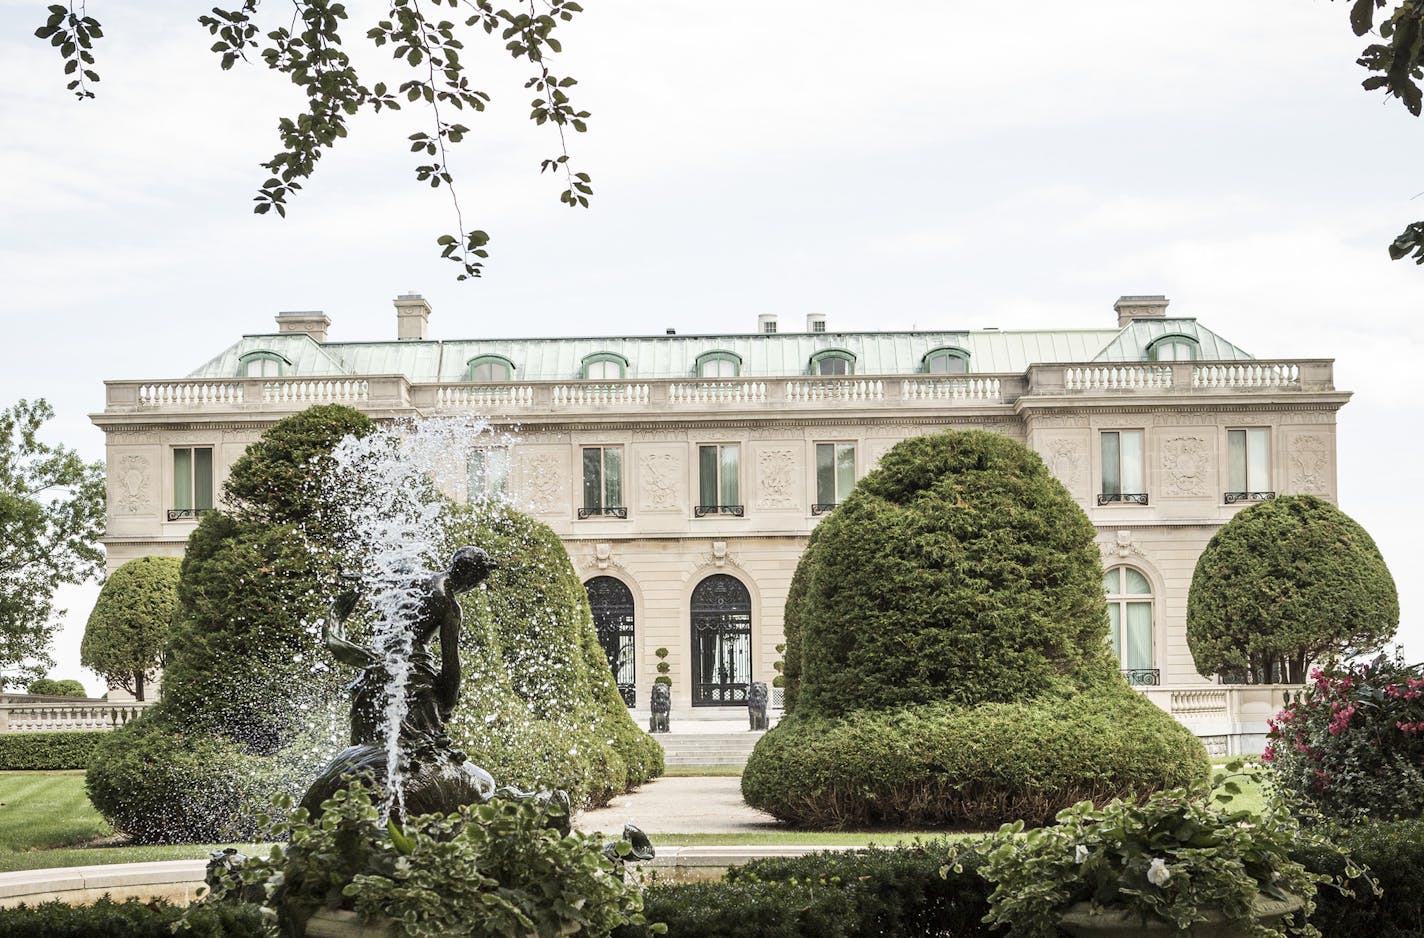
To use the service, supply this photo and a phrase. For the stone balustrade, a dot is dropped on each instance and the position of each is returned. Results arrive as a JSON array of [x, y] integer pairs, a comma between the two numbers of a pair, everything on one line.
[[499, 399], [21, 714], [1230, 718]]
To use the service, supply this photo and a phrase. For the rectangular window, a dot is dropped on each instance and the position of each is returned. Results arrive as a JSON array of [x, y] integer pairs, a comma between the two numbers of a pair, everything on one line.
[[1122, 468], [603, 482], [192, 481], [1132, 639], [1248, 465], [835, 475], [487, 472], [718, 475]]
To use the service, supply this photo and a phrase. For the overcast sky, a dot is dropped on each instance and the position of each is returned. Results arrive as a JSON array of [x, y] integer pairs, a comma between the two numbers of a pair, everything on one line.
[[919, 164]]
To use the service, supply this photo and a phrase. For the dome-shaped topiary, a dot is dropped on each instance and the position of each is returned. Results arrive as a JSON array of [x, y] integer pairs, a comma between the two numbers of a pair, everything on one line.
[[948, 655], [959, 570], [1284, 583]]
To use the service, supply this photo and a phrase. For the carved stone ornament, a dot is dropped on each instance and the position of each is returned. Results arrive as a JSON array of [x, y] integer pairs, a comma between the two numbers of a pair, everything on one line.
[[602, 557], [878, 449], [1065, 461], [1186, 463], [660, 479], [776, 478], [1121, 548], [1059, 420], [542, 482], [128, 486], [1310, 464]]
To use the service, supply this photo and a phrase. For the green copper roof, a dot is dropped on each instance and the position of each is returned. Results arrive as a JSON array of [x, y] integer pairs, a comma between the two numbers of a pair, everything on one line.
[[675, 356]]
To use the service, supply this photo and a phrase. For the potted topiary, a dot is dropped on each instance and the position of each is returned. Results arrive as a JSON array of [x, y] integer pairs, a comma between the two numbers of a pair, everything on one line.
[[1179, 864]]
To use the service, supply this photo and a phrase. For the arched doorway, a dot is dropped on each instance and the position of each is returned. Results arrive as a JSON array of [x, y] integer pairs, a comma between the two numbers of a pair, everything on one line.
[[721, 642], [612, 605]]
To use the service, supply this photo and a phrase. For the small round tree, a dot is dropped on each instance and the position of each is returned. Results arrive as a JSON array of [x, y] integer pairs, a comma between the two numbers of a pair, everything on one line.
[[1285, 583], [46, 687], [128, 629], [947, 658]]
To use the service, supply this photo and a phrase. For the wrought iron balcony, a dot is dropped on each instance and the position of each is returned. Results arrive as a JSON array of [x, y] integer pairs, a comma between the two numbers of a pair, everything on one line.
[[1143, 677], [1122, 498], [179, 514], [607, 511], [702, 511], [1234, 497], [820, 508]]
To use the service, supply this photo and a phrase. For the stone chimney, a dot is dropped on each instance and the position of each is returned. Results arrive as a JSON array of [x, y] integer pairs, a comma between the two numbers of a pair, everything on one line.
[[766, 324], [815, 322], [412, 317], [312, 322], [1139, 307]]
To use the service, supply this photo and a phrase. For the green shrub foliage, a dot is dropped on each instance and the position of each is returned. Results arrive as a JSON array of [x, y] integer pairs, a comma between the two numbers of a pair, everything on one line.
[[539, 706], [1394, 854], [132, 918], [1353, 741], [959, 570], [48, 751], [1285, 583], [944, 765], [244, 712], [947, 655], [128, 630], [46, 687], [791, 626]]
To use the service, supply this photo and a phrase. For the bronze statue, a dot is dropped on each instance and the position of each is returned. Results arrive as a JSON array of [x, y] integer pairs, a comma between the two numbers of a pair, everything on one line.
[[435, 776]]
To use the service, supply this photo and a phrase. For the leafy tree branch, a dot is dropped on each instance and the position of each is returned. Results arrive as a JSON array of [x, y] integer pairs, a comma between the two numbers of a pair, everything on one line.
[[308, 51]]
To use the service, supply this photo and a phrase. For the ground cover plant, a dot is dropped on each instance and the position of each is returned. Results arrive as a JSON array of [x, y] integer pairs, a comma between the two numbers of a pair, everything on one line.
[[947, 659], [1352, 743]]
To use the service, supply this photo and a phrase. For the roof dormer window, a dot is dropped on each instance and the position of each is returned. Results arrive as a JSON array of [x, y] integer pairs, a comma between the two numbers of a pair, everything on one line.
[[262, 364], [719, 364], [604, 366], [1173, 348], [833, 361], [489, 368], [948, 360]]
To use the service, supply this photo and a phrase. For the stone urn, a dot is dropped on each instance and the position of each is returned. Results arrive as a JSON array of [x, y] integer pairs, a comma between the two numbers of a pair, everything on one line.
[[1080, 921], [340, 923]]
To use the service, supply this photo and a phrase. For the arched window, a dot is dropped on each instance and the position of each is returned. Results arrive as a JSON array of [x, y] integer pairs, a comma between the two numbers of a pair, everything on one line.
[[948, 360], [833, 361], [604, 366], [489, 368], [721, 642], [1130, 624], [719, 364], [1173, 348], [612, 605], [262, 365]]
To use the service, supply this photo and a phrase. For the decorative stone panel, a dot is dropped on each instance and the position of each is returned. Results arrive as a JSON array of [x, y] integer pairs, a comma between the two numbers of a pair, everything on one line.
[[776, 479], [660, 481], [1186, 465]]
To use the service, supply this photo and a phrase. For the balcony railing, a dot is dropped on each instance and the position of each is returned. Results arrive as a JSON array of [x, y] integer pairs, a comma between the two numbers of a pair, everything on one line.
[[820, 508], [607, 511], [702, 511], [1234, 497], [180, 514], [1143, 677], [932, 393], [1122, 498]]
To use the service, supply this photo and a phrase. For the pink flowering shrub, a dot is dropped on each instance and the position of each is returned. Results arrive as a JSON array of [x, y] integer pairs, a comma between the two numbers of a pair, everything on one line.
[[1353, 741]]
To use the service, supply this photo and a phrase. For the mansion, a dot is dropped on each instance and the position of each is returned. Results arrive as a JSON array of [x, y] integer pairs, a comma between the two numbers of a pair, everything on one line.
[[684, 473]]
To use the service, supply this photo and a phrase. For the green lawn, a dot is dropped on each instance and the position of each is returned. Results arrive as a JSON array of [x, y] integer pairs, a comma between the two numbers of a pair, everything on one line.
[[704, 771], [40, 810]]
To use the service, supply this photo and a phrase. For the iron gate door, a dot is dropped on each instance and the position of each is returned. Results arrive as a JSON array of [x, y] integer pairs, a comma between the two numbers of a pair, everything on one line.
[[612, 605], [721, 642]]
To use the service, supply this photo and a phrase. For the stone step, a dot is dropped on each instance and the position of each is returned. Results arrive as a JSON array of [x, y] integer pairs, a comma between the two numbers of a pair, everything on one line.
[[694, 749]]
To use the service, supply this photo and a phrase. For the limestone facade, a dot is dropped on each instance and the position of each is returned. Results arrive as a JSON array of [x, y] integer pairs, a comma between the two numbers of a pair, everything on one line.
[[1181, 413]]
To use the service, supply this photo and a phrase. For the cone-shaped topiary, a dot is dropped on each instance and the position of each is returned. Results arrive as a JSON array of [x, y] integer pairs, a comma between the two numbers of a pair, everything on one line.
[[954, 604], [1284, 583]]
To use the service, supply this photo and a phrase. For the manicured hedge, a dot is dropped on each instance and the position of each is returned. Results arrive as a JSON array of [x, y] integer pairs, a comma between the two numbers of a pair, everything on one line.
[[943, 765], [49, 751], [900, 893], [895, 893], [129, 919]]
